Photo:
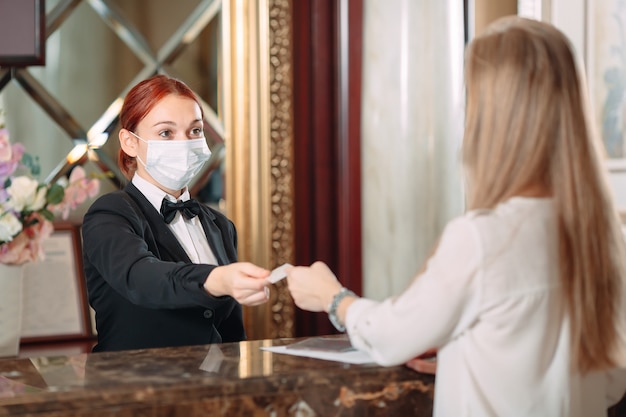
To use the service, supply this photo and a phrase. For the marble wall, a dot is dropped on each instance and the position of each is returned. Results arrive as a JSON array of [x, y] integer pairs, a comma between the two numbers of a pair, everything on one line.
[[412, 120]]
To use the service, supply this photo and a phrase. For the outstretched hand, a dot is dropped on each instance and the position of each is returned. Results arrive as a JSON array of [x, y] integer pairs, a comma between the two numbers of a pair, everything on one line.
[[243, 281], [312, 288]]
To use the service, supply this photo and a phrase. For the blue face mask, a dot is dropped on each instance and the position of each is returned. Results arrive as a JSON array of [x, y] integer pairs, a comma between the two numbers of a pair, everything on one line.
[[173, 163]]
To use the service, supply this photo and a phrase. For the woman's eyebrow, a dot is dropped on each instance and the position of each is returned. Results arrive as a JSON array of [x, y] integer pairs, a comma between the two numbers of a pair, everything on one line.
[[165, 122]]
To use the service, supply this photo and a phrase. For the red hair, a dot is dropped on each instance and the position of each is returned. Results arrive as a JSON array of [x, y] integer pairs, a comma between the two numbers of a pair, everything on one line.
[[138, 103]]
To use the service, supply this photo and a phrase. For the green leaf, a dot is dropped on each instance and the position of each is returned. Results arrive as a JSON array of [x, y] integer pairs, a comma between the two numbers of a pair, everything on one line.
[[32, 163], [55, 194], [30, 222], [47, 214]]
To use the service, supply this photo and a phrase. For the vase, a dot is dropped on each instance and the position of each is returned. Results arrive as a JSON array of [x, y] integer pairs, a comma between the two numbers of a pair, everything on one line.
[[11, 280]]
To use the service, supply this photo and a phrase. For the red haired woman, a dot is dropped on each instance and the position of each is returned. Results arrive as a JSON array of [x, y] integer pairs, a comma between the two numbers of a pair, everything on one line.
[[162, 269]]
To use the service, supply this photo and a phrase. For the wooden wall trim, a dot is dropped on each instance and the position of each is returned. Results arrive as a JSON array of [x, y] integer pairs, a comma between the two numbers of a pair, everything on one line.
[[327, 178], [349, 152]]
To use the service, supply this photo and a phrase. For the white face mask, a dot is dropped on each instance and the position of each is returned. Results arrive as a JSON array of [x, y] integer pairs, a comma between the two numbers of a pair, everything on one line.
[[173, 163]]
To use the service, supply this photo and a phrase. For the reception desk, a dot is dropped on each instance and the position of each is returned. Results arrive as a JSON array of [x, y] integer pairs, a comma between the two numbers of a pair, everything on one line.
[[235, 379]]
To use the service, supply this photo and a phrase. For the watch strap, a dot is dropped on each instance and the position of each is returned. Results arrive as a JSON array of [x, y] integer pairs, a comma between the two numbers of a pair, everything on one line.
[[332, 310]]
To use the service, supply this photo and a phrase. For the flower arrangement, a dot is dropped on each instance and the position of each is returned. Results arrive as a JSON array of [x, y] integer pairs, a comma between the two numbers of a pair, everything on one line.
[[27, 207]]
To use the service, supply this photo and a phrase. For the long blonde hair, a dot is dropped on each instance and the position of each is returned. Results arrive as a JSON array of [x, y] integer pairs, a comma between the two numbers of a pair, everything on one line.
[[528, 124]]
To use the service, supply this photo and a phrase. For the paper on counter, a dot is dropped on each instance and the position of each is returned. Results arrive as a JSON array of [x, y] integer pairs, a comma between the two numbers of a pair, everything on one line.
[[351, 356], [355, 357]]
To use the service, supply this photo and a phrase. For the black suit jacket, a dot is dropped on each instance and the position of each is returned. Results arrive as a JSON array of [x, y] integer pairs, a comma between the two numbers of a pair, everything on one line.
[[144, 288]]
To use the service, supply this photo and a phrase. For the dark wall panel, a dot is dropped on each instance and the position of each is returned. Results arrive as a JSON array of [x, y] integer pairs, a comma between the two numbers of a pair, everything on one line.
[[327, 101]]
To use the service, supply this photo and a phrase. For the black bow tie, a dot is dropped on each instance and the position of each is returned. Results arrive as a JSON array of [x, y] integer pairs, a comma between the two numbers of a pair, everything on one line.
[[189, 209]]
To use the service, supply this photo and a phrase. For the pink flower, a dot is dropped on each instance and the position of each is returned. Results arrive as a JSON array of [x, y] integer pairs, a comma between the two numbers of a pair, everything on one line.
[[79, 188], [27, 206], [27, 246], [5, 146], [10, 155]]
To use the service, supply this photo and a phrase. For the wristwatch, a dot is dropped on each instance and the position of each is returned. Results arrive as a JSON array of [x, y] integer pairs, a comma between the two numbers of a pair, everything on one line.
[[332, 310]]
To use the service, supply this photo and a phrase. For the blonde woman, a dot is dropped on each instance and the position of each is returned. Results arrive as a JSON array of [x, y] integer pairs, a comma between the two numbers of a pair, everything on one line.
[[523, 296]]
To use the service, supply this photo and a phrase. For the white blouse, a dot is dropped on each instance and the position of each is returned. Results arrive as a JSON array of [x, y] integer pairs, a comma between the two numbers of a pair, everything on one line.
[[490, 300]]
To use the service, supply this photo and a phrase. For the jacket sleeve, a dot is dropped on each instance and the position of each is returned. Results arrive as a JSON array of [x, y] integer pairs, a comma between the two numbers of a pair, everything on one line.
[[120, 248], [231, 327]]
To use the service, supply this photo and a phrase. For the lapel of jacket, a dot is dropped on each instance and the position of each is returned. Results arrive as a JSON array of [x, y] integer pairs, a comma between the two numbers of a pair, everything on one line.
[[214, 235], [164, 237]]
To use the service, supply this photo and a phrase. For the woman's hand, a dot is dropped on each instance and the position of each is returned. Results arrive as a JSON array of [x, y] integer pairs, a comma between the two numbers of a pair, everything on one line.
[[314, 287], [425, 363], [243, 281]]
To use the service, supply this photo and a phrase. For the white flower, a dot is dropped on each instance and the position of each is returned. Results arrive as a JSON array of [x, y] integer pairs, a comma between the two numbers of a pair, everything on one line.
[[25, 194], [10, 226], [63, 181]]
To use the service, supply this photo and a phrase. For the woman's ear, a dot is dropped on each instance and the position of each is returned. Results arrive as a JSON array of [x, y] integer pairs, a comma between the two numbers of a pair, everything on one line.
[[128, 142]]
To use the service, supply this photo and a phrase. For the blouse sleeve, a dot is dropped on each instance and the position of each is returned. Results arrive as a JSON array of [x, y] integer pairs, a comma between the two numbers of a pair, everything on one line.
[[616, 386], [438, 305]]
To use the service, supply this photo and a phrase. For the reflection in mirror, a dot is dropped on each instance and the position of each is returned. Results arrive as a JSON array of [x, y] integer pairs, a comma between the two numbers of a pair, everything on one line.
[[95, 52]]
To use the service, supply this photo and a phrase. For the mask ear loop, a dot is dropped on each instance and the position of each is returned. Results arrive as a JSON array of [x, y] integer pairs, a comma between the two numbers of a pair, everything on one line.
[[144, 141], [138, 137], [142, 162]]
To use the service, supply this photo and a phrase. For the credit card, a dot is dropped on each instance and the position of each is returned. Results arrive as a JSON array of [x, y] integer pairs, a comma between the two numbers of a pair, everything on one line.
[[278, 273]]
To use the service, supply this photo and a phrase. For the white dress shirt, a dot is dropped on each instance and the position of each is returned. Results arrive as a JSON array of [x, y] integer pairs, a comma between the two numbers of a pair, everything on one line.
[[189, 232], [490, 299]]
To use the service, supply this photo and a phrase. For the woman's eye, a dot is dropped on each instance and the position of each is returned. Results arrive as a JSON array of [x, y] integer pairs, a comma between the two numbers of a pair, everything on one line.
[[197, 132], [165, 134]]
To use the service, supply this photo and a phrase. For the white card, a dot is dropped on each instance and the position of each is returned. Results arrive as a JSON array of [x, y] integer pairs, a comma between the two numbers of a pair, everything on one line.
[[278, 273]]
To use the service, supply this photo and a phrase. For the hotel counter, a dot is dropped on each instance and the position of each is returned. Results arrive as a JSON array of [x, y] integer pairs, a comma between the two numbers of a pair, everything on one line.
[[233, 379]]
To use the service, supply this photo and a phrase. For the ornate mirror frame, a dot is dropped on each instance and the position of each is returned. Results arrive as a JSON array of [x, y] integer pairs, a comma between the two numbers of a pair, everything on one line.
[[258, 91]]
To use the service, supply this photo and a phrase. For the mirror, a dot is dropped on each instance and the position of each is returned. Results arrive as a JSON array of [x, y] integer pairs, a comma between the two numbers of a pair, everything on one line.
[[66, 111], [235, 55]]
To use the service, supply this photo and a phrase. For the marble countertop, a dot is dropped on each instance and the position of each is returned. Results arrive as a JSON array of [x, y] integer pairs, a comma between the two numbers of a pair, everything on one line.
[[227, 379]]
